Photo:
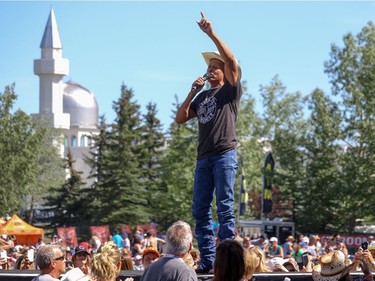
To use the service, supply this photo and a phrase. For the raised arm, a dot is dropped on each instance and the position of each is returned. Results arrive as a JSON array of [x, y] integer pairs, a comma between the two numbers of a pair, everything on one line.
[[231, 68]]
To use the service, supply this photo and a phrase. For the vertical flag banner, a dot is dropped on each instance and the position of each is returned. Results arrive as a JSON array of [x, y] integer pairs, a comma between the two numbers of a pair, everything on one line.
[[102, 232], [269, 165], [244, 195], [68, 235]]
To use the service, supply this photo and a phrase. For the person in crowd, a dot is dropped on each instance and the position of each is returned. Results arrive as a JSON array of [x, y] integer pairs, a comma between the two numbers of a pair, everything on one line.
[[152, 241], [81, 259], [137, 247], [23, 263], [95, 243], [317, 243], [50, 261], [216, 164], [291, 265], [261, 265], [55, 240], [262, 242], [39, 243], [138, 263], [247, 243], [300, 250], [340, 246], [190, 261], [251, 262], [335, 267], [125, 241], [283, 265], [106, 263], [366, 255], [126, 262], [149, 256], [14, 254], [196, 257], [4, 245], [68, 257], [312, 248], [230, 261], [274, 249], [86, 245], [117, 238], [8, 240], [326, 247], [334, 239], [371, 240], [172, 266], [288, 246], [4, 264]]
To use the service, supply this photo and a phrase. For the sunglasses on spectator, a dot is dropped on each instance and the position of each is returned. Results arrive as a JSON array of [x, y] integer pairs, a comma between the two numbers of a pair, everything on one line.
[[59, 258]]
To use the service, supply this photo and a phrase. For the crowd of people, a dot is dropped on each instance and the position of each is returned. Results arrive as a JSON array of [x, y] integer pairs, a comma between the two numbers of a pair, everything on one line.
[[175, 257]]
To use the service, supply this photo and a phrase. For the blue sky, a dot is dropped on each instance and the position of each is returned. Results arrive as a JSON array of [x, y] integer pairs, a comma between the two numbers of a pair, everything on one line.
[[155, 47]]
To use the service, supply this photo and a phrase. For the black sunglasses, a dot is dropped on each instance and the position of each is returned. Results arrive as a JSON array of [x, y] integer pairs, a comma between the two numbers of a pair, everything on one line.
[[59, 258]]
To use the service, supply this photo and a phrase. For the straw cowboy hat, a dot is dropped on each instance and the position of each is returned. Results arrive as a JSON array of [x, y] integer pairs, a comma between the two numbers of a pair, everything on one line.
[[211, 55], [331, 267]]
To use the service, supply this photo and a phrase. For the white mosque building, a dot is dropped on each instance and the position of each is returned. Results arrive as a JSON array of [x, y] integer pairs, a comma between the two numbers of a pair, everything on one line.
[[66, 105]]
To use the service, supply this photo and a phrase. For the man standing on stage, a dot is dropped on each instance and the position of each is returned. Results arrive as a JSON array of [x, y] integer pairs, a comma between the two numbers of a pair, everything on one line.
[[216, 166]]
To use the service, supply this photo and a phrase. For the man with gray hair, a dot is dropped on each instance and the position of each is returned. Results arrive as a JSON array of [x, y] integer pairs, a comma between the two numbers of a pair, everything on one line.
[[172, 266], [51, 262]]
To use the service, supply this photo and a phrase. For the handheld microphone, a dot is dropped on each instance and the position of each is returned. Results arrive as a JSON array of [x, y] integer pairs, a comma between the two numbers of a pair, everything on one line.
[[205, 77]]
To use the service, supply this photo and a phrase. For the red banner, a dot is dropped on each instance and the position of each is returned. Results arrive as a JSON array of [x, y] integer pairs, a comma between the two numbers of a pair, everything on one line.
[[102, 232], [144, 228], [68, 235], [126, 228]]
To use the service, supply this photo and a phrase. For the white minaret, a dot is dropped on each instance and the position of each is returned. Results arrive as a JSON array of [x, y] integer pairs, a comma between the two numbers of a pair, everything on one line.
[[51, 68]]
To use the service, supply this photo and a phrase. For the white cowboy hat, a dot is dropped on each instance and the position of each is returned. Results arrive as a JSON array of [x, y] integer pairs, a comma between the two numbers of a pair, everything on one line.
[[331, 267]]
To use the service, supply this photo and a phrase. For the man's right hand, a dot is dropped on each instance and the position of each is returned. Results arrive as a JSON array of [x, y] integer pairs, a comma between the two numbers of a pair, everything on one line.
[[197, 85]]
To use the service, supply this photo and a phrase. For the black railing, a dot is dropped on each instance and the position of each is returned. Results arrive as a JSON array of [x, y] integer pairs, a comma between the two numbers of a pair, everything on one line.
[[28, 275]]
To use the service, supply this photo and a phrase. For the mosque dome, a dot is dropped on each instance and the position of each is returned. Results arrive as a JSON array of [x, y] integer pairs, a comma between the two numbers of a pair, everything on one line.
[[81, 104]]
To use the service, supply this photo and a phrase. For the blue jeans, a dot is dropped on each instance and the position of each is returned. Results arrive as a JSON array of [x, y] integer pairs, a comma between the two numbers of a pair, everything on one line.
[[214, 174]]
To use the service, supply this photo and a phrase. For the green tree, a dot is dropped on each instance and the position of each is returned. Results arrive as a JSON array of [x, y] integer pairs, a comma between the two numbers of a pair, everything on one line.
[[322, 165], [122, 199], [27, 158], [16, 155], [178, 173], [66, 201], [150, 157], [351, 70], [48, 164], [283, 129], [98, 162], [250, 156]]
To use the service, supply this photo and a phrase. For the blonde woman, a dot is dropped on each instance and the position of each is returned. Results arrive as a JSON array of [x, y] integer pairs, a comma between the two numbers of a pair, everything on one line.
[[251, 262], [261, 264], [106, 263]]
